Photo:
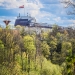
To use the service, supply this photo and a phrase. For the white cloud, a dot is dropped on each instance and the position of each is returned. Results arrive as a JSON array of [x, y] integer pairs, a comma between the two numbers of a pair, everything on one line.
[[9, 4], [33, 7], [1, 2], [57, 19]]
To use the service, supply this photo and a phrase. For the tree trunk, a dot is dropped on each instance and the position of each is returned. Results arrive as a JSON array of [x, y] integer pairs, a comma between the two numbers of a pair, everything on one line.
[[22, 60], [28, 65], [74, 69]]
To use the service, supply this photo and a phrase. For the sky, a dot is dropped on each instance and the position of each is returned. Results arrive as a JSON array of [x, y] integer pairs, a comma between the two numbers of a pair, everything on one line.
[[45, 11]]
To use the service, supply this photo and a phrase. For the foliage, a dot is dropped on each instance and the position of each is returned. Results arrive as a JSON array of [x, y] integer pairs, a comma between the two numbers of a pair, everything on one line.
[[47, 53], [45, 49], [50, 69]]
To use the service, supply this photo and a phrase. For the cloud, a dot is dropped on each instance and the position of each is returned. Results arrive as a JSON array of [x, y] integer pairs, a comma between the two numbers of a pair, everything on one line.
[[10, 4], [32, 7], [40, 9]]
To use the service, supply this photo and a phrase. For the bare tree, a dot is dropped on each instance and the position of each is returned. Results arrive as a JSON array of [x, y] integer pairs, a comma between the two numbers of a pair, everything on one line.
[[69, 4]]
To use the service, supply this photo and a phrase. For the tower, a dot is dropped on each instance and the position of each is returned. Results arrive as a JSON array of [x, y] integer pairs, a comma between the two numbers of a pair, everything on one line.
[[6, 22]]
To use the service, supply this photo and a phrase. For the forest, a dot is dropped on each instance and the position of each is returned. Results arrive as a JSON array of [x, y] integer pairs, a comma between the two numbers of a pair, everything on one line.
[[31, 53]]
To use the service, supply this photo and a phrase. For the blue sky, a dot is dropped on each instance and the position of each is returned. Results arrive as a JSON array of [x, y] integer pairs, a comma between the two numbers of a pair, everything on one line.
[[45, 11]]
